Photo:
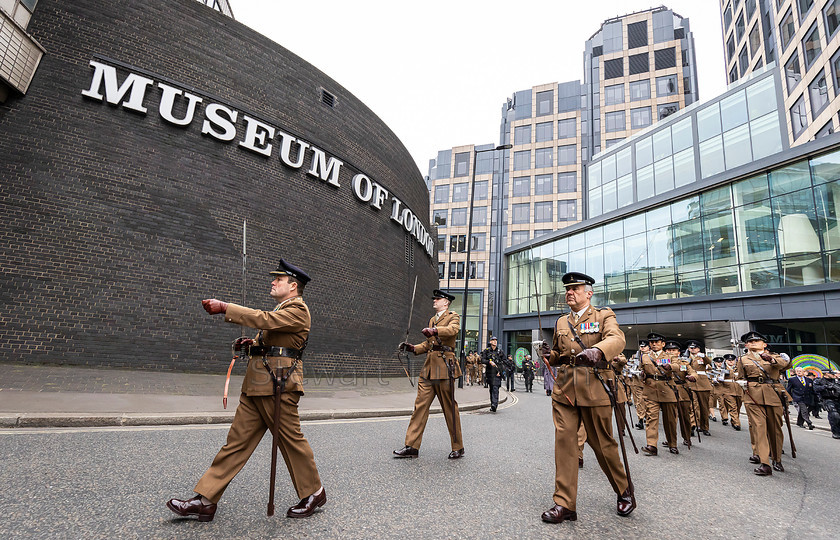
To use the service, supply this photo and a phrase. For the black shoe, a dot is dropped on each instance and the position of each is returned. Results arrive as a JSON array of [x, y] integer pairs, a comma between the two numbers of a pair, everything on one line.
[[754, 459], [724, 422], [650, 450], [736, 428], [306, 507], [548, 392], [492, 408], [407, 452], [800, 425], [763, 470], [810, 425], [626, 503], [580, 463], [835, 436], [777, 466], [673, 450], [193, 507], [686, 443], [664, 443], [455, 454], [693, 431], [558, 514], [714, 419], [706, 433]]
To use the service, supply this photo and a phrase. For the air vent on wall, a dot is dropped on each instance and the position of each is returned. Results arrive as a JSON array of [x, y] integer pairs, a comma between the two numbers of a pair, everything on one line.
[[327, 98]]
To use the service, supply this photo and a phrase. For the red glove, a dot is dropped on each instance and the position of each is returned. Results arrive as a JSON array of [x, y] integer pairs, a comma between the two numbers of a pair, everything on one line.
[[429, 332], [691, 378], [766, 357], [545, 350], [241, 343], [592, 355], [406, 347], [213, 306]]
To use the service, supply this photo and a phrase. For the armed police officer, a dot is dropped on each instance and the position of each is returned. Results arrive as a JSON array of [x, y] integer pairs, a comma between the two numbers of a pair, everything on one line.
[[492, 358], [583, 394], [828, 388]]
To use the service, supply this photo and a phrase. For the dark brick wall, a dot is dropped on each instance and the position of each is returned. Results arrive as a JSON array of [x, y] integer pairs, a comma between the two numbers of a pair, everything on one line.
[[115, 224]]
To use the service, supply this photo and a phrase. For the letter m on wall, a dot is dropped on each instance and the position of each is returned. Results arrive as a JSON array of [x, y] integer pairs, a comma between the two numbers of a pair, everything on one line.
[[134, 86]]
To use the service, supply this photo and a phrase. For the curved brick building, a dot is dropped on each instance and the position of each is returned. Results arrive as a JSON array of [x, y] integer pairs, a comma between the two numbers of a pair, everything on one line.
[[149, 133]]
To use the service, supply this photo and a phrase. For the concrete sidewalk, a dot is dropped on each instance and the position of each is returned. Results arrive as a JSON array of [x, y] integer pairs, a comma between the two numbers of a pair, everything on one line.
[[66, 396]]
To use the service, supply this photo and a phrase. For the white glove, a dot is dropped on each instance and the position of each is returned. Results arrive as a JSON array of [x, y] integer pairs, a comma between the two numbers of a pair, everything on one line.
[[701, 355]]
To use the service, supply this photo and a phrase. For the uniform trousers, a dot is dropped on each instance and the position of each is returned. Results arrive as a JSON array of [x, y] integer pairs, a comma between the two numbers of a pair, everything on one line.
[[684, 419], [639, 400], [427, 391], [731, 407], [701, 399], [253, 417], [597, 422], [669, 422], [718, 401], [832, 409], [766, 431]]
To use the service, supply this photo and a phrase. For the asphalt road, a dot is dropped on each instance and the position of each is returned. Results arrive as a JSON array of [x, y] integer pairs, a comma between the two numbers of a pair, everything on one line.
[[113, 482]]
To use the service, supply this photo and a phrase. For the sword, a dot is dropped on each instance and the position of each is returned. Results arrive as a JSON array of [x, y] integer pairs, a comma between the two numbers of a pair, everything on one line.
[[407, 330]]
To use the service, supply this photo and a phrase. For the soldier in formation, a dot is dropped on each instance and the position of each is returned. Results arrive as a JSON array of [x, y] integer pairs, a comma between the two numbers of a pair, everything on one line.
[[659, 395], [731, 394], [702, 387]]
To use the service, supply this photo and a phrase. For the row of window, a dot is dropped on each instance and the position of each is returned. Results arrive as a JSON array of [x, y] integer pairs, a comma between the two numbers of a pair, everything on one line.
[[544, 157], [484, 164], [460, 192], [640, 63], [640, 90], [544, 212], [459, 217], [456, 270], [544, 131], [818, 91], [544, 184], [458, 242], [639, 117]]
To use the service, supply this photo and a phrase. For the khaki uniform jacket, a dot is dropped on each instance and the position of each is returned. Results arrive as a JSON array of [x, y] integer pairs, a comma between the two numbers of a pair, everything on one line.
[[659, 391], [762, 393], [597, 328], [434, 368], [700, 364], [287, 326], [728, 386], [681, 368]]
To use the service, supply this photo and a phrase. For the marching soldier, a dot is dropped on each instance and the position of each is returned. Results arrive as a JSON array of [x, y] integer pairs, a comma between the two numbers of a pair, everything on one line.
[[637, 386], [479, 369], [617, 365], [659, 396], [715, 398], [471, 361], [279, 346], [683, 374], [436, 378], [702, 388], [583, 341], [731, 394], [765, 400]]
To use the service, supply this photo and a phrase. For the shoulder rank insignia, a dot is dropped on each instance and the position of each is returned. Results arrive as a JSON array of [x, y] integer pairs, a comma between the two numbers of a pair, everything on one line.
[[590, 328]]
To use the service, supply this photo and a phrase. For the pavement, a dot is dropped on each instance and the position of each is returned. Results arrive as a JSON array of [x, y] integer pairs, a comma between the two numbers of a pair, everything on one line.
[[73, 396]]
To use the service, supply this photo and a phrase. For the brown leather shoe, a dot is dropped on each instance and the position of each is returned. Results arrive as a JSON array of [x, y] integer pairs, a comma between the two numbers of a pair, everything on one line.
[[754, 459], [673, 450], [306, 507], [192, 507], [455, 454], [777, 466], [626, 503], [558, 514], [763, 470], [650, 450], [580, 463], [406, 452]]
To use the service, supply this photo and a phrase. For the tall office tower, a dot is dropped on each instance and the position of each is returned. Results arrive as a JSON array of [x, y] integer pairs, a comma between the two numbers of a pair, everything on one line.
[[638, 68], [799, 35]]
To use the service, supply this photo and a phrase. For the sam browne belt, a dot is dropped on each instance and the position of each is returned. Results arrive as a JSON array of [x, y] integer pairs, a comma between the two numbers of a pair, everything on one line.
[[583, 362], [657, 377], [443, 348], [763, 380], [275, 351]]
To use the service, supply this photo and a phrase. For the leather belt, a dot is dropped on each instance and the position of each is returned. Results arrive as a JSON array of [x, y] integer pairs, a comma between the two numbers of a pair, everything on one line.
[[443, 348], [574, 362], [763, 380], [275, 351], [657, 377]]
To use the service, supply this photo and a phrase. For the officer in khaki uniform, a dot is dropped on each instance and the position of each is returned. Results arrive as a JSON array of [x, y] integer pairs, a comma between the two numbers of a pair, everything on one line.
[[702, 387], [731, 394], [765, 400], [716, 398], [579, 397], [282, 338], [470, 360], [637, 387], [434, 380], [659, 396], [683, 375]]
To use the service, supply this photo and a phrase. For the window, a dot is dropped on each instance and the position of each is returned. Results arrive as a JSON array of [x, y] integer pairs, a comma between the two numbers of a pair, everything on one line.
[[522, 134], [667, 109], [544, 184], [462, 164], [545, 131], [811, 46], [479, 242], [459, 217], [818, 91], [545, 103], [440, 218], [614, 121], [832, 18], [480, 216], [743, 60], [566, 210], [543, 212], [567, 128], [730, 48], [521, 213], [612, 142], [666, 86], [665, 58], [460, 192], [835, 72], [441, 242], [804, 7], [452, 272], [522, 160], [755, 40], [567, 155], [458, 243], [544, 157], [733, 75], [614, 94], [639, 63], [460, 273], [522, 186], [637, 35], [541, 232], [786, 30], [480, 191], [750, 9], [739, 27], [614, 68], [727, 16], [639, 90], [567, 182], [640, 118], [792, 72], [441, 270], [827, 129], [798, 117], [518, 237], [442, 194]]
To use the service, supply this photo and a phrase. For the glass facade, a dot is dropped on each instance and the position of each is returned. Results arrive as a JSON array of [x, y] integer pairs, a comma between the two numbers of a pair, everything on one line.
[[778, 228]]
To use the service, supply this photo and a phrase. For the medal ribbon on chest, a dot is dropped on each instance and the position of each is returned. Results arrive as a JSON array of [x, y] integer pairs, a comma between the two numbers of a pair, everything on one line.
[[590, 328]]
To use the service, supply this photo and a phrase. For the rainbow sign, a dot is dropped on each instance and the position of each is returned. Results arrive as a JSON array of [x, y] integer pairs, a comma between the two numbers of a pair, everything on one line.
[[813, 363]]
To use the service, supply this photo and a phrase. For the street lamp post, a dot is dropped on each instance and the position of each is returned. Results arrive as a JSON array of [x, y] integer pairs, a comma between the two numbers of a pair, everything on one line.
[[467, 264]]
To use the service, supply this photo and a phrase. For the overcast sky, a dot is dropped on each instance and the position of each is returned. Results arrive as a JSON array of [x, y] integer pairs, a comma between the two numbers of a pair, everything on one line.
[[437, 72]]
